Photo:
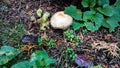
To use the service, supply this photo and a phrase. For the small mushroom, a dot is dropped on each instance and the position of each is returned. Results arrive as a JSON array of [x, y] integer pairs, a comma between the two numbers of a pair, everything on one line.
[[60, 20]]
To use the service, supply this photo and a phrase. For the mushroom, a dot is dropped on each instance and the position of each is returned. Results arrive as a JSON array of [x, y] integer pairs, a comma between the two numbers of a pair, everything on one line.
[[60, 20]]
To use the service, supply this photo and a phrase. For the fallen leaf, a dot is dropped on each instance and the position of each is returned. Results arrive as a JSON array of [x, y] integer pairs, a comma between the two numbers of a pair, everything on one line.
[[27, 6], [30, 13], [58, 42], [6, 1], [111, 48], [49, 8], [110, 37], [82, 61]]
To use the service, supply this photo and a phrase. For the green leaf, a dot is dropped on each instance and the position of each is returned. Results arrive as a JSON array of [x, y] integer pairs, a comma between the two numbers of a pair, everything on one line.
[[85, 3], [110, 23], [106, 10], [105, 24], [98, 66], [45, 17], [39, 12], [113, 23], [116, 15], [117, 3], [103, 2], [90, 26], [7, 53], [40, 58], [24, 64], [98, 19], [88, 3], [88, 15], [76, 25], [50, 61], [40, 40], [74, 12]]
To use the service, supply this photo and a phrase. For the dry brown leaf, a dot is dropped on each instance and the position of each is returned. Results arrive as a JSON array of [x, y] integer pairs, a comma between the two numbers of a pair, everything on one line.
[[27, 48], [30, 13], [58, 42], [81, 36], [112, 48], [6, 1], [104, 65], [115, 66], [71, 44], [110, 37], [45, 35]]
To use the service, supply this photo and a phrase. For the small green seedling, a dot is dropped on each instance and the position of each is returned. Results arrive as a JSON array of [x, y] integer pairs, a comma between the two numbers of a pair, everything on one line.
[[48, 42], [39, 12], [71, 37], [70, 52]]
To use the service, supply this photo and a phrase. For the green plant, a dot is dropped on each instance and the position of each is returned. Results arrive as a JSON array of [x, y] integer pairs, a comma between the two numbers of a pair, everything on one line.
[[70, 36], [7, 53], [98, 13], [39, 12], [84, 31], [11, 34], [48, 42], [70, 52], [40, 41], [43, 21], [24, 64], [39, 59], [98, 66]]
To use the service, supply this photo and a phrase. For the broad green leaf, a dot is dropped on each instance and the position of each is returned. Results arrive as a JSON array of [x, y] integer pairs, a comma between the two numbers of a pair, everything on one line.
[[40, 58], [88, 3], [7, 53], [98, 19], [90, 26], [76, 25], [78, 15], [24, 64], [105, 24], [113, 23], [85, 3], [106, 10], [50, 61], [116, 15], [88, 15], [39, 12], [92, 3], [117, 3], [74, 12], [41, 54], [103, 2]]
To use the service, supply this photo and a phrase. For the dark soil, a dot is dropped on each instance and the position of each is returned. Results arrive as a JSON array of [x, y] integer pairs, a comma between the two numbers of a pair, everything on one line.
[[20, 11]]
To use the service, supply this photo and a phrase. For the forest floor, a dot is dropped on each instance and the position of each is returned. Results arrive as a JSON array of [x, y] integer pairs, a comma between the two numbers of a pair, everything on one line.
[[106, 54]]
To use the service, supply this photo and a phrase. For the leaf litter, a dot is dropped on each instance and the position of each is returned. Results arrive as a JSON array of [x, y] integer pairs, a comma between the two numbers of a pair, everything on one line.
[[25, 11]]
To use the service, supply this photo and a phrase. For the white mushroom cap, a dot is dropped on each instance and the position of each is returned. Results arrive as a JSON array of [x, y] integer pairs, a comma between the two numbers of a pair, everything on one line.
[[60, 20]]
